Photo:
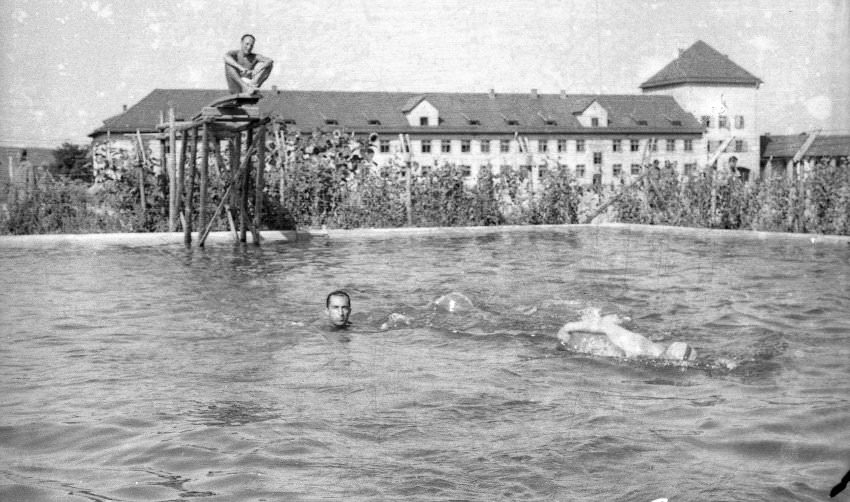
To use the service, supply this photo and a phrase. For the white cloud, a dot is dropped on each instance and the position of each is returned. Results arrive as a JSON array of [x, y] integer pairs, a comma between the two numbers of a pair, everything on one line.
[[105, 12], [819, 107], [763, 43]]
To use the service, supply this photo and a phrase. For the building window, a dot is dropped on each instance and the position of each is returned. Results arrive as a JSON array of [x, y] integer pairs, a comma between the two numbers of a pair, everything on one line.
[[594, 122], [617, 169], [541, 172], [562, 145], [634, 145], [504, 169], [706, 121], [617, 145], [446, 146], [635, 169], [739, 121], [653, 145], [505, 145], [597, 158], [671, 145], [740, 145], [723, 122], [385, 146], [542, 146], [465, 146], [689, 145], [426, 146], [579, 145], [466, 171], [423, 121], [485, 146], [580, 171], [690, 168]]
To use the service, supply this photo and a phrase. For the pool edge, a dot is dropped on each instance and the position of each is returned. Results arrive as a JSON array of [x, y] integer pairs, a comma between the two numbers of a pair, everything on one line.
[[269, 236]]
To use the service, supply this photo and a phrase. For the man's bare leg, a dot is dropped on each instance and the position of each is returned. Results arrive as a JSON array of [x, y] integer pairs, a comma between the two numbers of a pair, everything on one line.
[[260, 73]]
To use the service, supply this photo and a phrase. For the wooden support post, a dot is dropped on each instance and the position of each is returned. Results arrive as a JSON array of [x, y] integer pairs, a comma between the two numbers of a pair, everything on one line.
[[161, 156], [181, 173], [233, 183], [409, 195], [243, 195], [235, 159], [259, 183], [172, 173], [142, 159], [712, 180], [190, 188], [202, 199], [281, 153]]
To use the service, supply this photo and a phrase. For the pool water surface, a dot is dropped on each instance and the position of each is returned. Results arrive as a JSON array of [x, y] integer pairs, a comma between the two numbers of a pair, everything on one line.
[[163, 373]]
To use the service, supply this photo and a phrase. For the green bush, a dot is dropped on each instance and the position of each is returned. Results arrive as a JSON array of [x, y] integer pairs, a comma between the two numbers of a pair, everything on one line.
[[329, 180]]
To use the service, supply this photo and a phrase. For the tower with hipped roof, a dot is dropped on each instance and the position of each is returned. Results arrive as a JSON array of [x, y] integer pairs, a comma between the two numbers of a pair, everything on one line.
[[723, 96]]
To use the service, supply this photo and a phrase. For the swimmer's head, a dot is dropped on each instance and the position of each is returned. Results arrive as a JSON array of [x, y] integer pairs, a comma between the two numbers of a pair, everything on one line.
[[338, 306], [680, 351]]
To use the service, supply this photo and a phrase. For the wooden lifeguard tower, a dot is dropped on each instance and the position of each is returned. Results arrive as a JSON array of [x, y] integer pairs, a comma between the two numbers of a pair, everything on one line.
[[224, 119]]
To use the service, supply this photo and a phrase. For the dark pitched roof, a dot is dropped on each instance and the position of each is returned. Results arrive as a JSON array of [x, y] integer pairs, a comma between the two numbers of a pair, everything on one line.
[[145, 114], [786, 146], [384, 111], [701, 64]]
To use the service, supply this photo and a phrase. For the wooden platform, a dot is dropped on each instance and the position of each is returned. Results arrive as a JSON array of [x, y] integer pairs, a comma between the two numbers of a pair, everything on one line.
[[235, 107]]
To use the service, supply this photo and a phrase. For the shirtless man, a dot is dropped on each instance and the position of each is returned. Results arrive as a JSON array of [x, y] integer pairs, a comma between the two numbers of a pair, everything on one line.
[[584, 336], [338, 306], [244, 69]]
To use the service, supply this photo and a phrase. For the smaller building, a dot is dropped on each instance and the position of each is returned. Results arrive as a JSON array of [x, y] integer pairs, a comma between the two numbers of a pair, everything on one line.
[[786, 155]]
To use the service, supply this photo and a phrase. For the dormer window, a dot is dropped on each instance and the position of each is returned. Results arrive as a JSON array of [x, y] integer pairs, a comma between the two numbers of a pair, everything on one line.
[[594, 122], [513, 122], [642, 122], [550, 122], [676, 122], [375, 122], [331, 122], [423, 121], [474, 122], [289, 121]]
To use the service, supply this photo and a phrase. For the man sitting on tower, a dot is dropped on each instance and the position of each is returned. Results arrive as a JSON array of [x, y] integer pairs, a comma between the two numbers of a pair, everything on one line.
[[246, 70]]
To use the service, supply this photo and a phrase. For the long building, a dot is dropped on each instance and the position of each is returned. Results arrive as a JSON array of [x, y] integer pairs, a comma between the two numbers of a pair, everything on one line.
[[600, 138]]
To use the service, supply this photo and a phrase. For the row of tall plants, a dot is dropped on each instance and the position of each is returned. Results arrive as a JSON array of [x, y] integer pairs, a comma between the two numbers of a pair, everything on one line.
[[329, 180]]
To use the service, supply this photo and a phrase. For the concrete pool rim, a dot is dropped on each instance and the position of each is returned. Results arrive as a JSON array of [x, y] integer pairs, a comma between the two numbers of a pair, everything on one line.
[[275, 236]]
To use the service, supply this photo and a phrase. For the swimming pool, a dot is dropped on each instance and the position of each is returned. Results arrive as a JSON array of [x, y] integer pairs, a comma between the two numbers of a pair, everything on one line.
[[161, 373]]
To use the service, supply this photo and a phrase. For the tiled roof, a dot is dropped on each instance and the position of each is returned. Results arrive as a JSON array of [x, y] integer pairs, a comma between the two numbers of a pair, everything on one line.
[[359, 111], [786, 146], [701, 64]]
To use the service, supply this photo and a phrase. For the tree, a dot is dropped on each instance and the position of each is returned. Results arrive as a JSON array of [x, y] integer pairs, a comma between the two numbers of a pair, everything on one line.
[[72, 161]]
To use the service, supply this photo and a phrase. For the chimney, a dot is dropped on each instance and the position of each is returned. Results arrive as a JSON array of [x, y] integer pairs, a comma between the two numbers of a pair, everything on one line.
[[563, 94], [492, 93], [274, 89], [124, 107], [534, 94]]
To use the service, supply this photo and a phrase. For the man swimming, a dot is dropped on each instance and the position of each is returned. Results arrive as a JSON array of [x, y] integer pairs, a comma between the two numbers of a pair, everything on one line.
[[584, 336], [338, 307]]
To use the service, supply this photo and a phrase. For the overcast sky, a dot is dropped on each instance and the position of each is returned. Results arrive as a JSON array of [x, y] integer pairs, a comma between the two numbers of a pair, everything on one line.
[[69, 64]]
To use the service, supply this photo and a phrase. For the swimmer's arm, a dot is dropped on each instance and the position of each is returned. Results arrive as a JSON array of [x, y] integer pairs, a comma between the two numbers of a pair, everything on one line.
[[633, 344]]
